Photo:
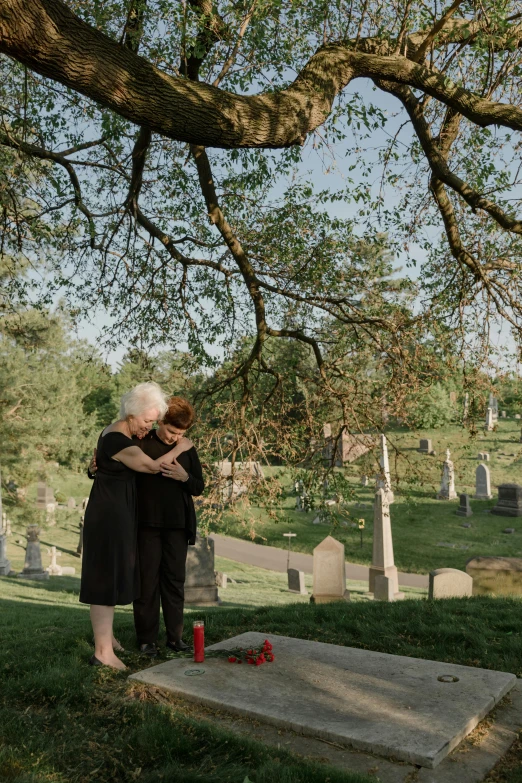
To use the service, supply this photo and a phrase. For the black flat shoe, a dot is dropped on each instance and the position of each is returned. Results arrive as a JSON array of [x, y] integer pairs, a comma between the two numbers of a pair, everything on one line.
[[179, 646], [93, 661], [149, 649]]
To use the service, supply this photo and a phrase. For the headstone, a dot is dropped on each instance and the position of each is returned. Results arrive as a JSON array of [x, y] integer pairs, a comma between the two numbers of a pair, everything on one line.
[[464, 509], [33, 568], [200, 581], [447, 484], [489, 424], [483, 456], [327, 431], [509, 530], [329, 572], [482, 483], [84, 503], [364, 481], [50, 519], [8, 530], [221, 579], [517, 415], [503, 414], [383, 563], [44, 495], [54, 569], [71, 503], [465, 411], [449, 583], [296, 581], [383, 589], [509, 503], [5, 565], [425, 446], [383, 480], [496, 575]]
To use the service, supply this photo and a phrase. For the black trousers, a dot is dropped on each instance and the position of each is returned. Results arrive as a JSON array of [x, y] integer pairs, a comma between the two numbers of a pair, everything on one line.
[[162, 556]]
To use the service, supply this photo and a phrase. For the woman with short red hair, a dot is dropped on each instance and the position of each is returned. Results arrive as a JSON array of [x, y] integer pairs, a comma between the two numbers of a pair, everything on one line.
[[166, 525]]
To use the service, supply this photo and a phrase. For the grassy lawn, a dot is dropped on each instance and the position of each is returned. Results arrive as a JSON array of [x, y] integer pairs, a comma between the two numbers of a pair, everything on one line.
[[64, 722], [427, 533]]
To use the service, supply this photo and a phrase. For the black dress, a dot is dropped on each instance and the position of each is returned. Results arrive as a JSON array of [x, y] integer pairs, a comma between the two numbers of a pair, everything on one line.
[[109, 572]]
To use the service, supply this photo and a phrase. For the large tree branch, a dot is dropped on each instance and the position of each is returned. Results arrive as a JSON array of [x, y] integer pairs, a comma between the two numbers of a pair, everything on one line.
[[71, 52]]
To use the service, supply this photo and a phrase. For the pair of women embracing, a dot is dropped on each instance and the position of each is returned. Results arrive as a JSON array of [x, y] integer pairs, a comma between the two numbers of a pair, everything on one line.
[[139, 520]]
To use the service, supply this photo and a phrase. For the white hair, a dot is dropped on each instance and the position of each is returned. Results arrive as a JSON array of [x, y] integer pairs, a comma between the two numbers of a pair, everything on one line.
[[142, 398]]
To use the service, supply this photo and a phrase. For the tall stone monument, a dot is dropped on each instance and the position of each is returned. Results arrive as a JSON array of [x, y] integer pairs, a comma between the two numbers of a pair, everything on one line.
[[493, 404], [482, 483], [44, 496], [5, 565], [33, 557], [447, 483], [490, 423], [383, 480], [329, 572], [383, 563], [465, 410]]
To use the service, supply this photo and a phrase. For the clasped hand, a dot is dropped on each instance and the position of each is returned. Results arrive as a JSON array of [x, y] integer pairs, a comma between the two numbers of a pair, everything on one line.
[[174, 470]]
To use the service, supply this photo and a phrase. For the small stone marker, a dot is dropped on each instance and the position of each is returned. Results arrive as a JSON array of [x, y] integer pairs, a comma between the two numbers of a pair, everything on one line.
[[383, 589], [447, 483], [79, 548], [54, 569], [364, 481], [496, 575], [509, 503], [71, 503], [329, 572], [296, 581], [221, 579], [503, 414], [483, 456], [509, 530], [482, 483], [450, 583], [33, 568], [289, 536], [200, 582], [517, 415], [464, 509], [383, 563], [84, 503], [425, 446]]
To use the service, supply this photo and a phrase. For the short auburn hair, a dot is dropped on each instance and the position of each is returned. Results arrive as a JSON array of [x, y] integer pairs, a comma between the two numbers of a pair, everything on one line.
[[180, 413]]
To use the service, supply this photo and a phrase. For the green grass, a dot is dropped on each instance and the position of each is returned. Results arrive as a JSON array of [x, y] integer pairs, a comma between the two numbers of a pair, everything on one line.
[[64, 722], [422, 526]]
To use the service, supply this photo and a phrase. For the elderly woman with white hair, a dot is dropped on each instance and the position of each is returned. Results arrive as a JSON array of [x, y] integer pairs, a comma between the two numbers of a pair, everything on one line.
[[109, 572]]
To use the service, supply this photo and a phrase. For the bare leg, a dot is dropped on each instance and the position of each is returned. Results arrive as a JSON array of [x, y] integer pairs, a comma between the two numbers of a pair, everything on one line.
[[116, 646], [102, 618]]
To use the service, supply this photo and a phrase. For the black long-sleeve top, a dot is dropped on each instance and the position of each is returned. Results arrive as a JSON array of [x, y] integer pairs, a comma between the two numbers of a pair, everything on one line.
[[166, 502]]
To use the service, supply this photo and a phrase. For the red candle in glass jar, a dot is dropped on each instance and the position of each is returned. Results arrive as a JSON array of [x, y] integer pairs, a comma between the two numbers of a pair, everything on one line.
[[199, 641]]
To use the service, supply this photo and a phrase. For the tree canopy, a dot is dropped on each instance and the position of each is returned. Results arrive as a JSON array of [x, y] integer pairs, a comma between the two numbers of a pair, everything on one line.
[[155, 161]]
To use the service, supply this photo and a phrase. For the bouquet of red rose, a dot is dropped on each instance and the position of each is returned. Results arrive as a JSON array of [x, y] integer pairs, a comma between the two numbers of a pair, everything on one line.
[[252, 656]]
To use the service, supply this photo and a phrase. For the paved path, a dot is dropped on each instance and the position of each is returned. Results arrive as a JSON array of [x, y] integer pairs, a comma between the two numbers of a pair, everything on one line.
[[274, 559]]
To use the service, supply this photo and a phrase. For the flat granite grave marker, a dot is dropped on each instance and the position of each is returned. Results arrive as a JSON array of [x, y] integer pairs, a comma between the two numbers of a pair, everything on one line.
[[509, 503], [450, 583], [389, 705], [482, 483]]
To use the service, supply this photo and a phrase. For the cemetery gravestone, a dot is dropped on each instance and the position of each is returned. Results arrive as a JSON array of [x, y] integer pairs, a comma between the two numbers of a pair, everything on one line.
[[200, 582], [383, 480], [383, 563], [221, 580], [482, 483], [450, 583], [79, 548], [483, 456], [54, 569], [33, 568], [383, 589], [425, 446], [509, 503], [464, 509], [503, 414], [496, 575], [489, 425], [329, 572], [5, 565], [447, 484], [517, 415], [71, 503], [465, 410], [44, 496], [296, 581], [364, 481]]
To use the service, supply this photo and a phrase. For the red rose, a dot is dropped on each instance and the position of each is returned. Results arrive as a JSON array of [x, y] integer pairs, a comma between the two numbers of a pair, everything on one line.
[[232, 659], [261, 658], [238, 660], [250, 660], [269, 657], [250, 652], [259, 661]]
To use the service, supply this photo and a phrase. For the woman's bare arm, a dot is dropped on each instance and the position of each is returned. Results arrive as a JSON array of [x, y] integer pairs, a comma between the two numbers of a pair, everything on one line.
[[184, 444], [135, 459]]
